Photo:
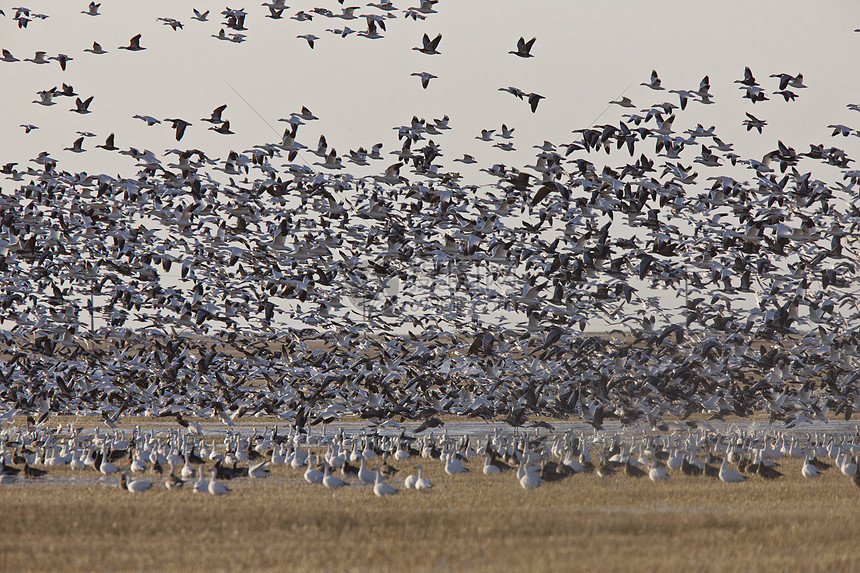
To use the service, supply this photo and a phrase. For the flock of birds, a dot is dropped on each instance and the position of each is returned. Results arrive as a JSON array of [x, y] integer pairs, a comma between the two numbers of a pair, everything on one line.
[[273, 281], [338, 459]]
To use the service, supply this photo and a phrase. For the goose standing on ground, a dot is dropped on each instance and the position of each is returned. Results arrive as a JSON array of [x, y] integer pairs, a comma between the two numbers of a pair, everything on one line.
[[657, 471], [528, 475], [134, 485], [259, 470], [105, 466], [173, 482], [216, 487], [202, 484], [364, 474], [422, 483], [312, 474], [809, 470], [381, 488], [329, 480], [453, 464], [728, 475]]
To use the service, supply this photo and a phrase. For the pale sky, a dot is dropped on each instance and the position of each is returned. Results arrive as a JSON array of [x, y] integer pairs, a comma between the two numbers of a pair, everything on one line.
[[585, 55]]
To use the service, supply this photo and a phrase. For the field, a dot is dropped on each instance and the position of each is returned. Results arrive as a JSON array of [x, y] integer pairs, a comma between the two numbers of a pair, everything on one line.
[[467, 522]]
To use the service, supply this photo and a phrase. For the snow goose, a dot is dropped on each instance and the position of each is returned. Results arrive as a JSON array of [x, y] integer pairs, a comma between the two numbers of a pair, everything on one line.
[[490, 464], [187, 470], [259, 470], [657, 472], [429, 46], [216, 487], [809, 470], [331, 481], [173, 482], [96, 49], [728, 475], [201, 485], [422, 483], [93, 10], [364, 474], [82, 106], [137, 464], [105, 466], [312, 474], [523, 48], [133, 45], [849, 466], [39, 58], [529, 478], [381, 488], [134, 485], [453, 464], [425, 78]]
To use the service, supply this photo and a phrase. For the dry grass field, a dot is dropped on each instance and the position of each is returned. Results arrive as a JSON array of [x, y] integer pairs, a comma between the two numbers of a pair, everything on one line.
[[468, 522]]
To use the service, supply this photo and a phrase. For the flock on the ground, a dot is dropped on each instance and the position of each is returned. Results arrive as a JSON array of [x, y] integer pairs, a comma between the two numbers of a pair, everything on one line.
[[276, 281], [180, 460]]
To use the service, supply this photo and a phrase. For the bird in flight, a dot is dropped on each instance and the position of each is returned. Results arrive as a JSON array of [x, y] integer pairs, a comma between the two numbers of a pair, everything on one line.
[[133, 45], [523, 48], [429, 46], [179, 125], [81, 106], [93, 10], [425, 78]]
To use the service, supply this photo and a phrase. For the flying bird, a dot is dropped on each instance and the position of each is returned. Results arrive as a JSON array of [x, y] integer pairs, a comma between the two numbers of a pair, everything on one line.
[[215, 117], [179, 125], [96, 49], [82, 106], [108, 145], [425, 78], [62, 59], [310, 38], [655, 82], [754, 123], [93, 10], [148, 119], [133, 45], [429, 46], [523, 48]]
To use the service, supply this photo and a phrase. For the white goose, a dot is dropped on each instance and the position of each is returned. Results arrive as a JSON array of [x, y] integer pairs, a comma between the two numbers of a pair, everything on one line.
[[422, 483], [313, 475], [381, 488], [259, 470], [134, 485], [364, 474], [453, 465], [657, 472], [528, 475], [329, 480], [728, 475], [216, 487], [809, 470]]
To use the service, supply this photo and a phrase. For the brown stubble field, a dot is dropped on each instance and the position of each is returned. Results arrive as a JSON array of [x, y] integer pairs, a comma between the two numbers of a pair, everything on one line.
[[467, 522]]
